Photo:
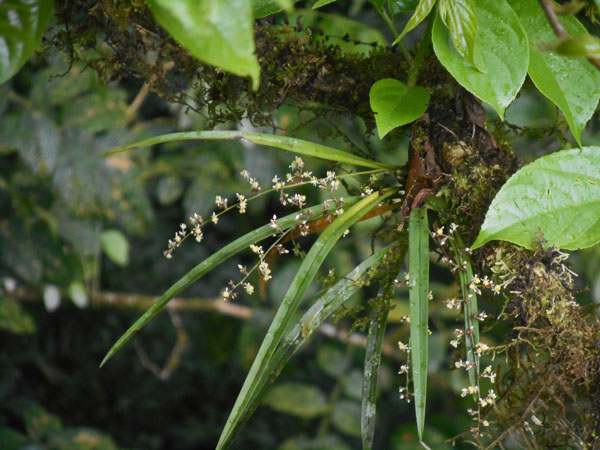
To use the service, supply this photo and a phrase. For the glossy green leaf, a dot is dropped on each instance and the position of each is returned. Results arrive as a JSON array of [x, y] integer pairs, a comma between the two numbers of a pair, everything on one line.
[[116, 246], [22, 24], [288, 307], [264, 8], [572, 84], [206, 266], [502, 47], [461, 19], [297, 399], [557, 195], [217, 32], [397, 7], [395, 104], [320, 3], [421, 12], [294, 145], [418, 269]]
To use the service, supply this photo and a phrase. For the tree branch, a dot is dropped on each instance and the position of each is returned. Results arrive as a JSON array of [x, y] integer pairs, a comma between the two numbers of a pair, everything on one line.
[[143, 302]]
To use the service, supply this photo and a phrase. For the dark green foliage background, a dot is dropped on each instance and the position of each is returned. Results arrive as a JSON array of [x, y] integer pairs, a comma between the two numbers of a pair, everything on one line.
[[56, 198]]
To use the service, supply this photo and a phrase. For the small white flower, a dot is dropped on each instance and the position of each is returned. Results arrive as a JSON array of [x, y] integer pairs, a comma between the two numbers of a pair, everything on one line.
[[403, 347]]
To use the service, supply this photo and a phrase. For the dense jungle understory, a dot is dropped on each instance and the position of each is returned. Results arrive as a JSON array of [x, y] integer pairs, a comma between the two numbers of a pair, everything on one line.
[[457, 162]]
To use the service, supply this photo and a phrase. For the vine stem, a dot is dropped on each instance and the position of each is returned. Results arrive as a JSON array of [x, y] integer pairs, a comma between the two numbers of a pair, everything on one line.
[[421, 51], [559, 30], [390, 24]]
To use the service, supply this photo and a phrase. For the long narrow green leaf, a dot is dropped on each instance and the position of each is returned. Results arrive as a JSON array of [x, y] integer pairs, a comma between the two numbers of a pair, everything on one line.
[[465, 275], [378, 321], [418, 269], [320, 311], [206, 266], [377, 324], [290, 144], [289, 304], [329, 302]]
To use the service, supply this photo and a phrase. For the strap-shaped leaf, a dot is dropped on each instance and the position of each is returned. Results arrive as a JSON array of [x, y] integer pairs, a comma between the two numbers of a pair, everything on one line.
[[572, 84], [502, 46], [418, 294], [288, 307], [421, 12], [206, 266], [318, 313], [290, 144], [470, 307], [22, 25], [557, 195], [378, 321]]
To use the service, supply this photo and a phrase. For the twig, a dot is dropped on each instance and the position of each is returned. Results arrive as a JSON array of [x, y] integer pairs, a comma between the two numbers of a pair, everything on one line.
[[143, 302], [181, 344], [559, 30], [135, 105], [520, 420], [133, 108], [390, 24]]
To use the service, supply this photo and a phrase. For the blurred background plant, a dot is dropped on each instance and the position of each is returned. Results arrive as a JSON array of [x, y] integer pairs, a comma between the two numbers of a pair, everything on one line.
[[81, 244]]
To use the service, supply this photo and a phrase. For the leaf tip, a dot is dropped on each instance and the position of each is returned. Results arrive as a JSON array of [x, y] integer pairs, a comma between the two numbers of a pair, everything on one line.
[[382, 132], [106, 358], [255, 76], [480, 241], [399, 38]]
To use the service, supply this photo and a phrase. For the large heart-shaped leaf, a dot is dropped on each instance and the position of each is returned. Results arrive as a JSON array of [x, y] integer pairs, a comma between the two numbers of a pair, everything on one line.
[[22, 24], [572, 84], [557, 195], [396, 104], [216, 32], [502, 46]]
